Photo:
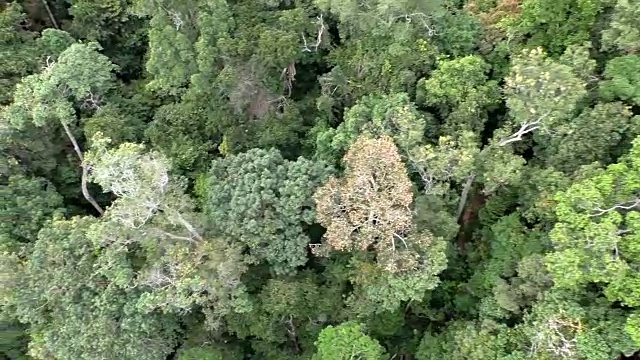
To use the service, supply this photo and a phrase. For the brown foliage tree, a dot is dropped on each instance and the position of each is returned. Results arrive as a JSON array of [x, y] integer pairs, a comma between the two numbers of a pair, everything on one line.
[[370, 208]]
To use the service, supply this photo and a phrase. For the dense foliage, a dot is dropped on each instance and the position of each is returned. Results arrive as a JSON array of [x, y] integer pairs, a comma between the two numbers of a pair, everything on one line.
[[319, 179]]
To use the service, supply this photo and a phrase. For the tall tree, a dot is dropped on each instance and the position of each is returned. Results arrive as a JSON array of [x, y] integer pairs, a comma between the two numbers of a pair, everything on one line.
[[369, 210], [74, 311], [184, 267], [264, 202], [78, 76]]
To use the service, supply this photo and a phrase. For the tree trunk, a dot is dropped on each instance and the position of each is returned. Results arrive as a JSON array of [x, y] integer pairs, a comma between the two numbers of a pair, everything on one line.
[[51, 17], [465, 194], [85, 170]]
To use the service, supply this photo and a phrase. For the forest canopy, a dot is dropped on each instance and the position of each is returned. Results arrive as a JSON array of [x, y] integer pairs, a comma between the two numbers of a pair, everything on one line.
[[320, 179]]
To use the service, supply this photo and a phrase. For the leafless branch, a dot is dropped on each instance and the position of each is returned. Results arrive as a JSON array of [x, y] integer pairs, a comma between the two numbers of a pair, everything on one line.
[[175, 237], [599, 211], [401, 239], [524, 129], [93, 101], [48, 64], [422, 17], [319, 35], [181, 220]]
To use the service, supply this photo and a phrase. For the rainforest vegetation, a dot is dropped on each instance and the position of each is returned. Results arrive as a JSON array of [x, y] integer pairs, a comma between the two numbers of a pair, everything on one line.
[[319, 179]]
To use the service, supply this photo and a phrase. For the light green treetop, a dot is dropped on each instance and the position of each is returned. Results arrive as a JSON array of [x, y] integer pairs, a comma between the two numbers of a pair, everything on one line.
[[347, 341]]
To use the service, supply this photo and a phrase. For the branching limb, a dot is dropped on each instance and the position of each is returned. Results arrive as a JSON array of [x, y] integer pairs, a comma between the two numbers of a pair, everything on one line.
[[192, 230], [401, 239], [93, 101], [288, 76], [635, 203], [431, 31], [319, 35], [524, 129], [175, 237]]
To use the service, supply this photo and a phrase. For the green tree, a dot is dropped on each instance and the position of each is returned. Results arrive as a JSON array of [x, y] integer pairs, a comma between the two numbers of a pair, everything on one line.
[[209, 353], [75, 312], [78, 76], [467, 340], [171, 59], [347, 341], [26, 205], [184, 267], [555, 25], [263, 201], [624, 30], [540, 94], [595, 233], [17, 46], [622, 80], [460, 89], [288, 315], [597, 134], [393, 115]]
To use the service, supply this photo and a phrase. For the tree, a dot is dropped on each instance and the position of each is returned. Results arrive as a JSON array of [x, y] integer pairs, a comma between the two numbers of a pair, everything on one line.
[[184, 268], [26, 204], [540, 93], [347, 341], [81, 74], [393, 115], [209, 353], [17, 49], [555, 25], [74, 311], [141, 182], [171, 59], [288, 315], [264, 202], [622, 79], [369, 211], [370, 208], [597, 134], [596, 225], [184, 132], [624, 30], [595, 233], [558, 326], [467, 340], [462, 92]]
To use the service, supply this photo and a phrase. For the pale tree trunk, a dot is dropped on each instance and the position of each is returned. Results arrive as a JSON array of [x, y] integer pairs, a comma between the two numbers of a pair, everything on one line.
[[51, 17], [85, 170], [465, 194]]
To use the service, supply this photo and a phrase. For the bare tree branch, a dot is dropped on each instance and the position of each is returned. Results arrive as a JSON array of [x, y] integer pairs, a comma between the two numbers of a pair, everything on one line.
[[524, 129], [599, 211], [320, 33], [288, 76], [192, 230]]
